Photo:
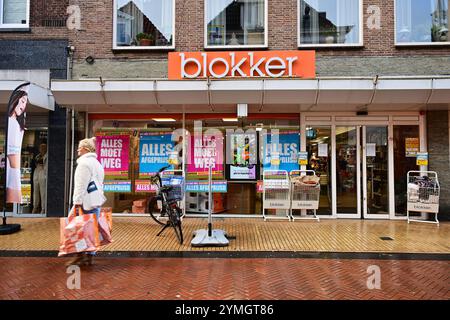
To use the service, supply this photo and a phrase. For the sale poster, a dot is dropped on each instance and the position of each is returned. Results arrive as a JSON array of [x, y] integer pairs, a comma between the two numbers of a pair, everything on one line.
[[113, 154], [412, 146], [206, 150], [156, 150], [282, 155]]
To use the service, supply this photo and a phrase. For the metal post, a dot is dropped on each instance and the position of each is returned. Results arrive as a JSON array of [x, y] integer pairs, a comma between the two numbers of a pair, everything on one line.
[[210, 201]]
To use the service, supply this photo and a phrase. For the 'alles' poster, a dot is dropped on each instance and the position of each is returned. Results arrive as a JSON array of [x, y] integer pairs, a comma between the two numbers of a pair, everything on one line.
[[113, 154], [285, 151], [154, 152], [206, 150]]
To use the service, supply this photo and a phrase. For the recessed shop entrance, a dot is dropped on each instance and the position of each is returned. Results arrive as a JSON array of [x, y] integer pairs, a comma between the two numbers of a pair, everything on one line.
[[362, 163]]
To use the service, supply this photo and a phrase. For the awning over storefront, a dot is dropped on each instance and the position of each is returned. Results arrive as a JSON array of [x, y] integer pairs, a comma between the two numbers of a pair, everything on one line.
[[350, 93], [37, 96]]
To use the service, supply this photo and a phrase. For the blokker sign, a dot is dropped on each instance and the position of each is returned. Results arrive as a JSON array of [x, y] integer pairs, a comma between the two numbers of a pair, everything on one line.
[[244, 64]]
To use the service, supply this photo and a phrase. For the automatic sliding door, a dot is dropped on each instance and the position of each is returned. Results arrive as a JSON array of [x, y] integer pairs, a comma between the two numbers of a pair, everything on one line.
[[347, 173], [375, 172]]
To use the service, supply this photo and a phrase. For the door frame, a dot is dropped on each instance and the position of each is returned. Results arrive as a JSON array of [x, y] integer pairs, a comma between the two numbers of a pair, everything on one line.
[[388, 119]]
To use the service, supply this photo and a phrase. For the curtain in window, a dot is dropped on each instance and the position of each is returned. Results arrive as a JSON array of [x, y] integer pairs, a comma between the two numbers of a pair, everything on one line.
[[216, 14], [14, 11], [347, 21]]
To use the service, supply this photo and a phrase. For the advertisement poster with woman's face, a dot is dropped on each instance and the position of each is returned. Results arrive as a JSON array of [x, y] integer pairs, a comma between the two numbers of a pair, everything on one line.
[[16, 128]]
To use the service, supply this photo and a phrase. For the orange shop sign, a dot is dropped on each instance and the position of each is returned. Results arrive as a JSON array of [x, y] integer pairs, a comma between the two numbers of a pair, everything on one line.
[[243, 64]]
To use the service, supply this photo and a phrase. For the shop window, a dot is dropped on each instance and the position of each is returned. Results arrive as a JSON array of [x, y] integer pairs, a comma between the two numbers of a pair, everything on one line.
[[14, 14], [330, 23], [237, 23], [130, 152], [422, 22], [144, 24], [239, 152]]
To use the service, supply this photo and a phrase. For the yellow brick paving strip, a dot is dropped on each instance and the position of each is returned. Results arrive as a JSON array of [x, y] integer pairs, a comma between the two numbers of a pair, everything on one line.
[[139, 234]]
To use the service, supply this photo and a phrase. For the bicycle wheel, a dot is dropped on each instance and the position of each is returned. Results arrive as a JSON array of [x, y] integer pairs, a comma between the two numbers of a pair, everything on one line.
[[154, 210], [175, 219]]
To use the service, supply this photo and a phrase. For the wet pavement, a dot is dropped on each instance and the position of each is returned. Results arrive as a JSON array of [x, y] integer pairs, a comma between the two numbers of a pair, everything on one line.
[[160, 278]]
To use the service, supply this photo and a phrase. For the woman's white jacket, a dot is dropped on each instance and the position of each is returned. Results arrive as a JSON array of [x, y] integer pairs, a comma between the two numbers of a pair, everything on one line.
[[88, 169]]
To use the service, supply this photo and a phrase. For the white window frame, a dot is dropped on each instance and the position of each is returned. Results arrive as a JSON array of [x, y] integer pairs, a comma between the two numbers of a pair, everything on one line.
[[408, 44], [250, 46], [331, 45], [14, 25], [137, 48]]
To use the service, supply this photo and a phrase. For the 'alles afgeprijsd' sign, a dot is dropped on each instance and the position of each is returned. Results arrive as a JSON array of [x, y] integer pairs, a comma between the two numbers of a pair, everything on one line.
[[242, 64]]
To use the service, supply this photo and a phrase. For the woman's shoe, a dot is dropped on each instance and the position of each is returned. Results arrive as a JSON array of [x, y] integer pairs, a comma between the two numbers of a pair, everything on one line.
[[87, 259], [77, 260]]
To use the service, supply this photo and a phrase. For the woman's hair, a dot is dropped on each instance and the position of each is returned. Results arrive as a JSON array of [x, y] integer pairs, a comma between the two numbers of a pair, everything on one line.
[[14, 102], [88, 144]]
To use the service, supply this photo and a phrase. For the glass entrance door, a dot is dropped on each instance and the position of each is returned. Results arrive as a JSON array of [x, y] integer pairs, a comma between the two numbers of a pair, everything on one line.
[[375, 172], [362, 172], [348, 172]]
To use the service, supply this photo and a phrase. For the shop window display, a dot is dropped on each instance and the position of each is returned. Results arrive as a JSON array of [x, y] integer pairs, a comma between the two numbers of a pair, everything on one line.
[[147, 145]]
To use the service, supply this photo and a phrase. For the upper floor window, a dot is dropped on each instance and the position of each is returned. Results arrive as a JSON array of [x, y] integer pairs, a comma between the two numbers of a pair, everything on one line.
[[144, 24], [14, 14], [330, 23], [421, 22], [236, 23]]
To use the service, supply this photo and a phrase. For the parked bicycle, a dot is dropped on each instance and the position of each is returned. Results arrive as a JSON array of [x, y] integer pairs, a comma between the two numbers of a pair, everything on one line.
[[168, 195]]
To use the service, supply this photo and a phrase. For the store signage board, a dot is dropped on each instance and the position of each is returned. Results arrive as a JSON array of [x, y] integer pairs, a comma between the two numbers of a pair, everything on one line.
[[203, 186], [117, 186], [412, 146], [303, 158], [422, 159], [113, 153], [155, 152], [242, 64], [144, 186]]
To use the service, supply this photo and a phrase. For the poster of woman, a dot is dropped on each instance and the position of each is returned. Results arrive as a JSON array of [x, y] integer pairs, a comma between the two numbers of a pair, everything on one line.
[[16, 128]]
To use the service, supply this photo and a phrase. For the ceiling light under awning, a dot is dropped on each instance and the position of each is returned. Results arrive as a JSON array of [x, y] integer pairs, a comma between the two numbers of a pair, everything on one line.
[[230, 119], [164, 120]]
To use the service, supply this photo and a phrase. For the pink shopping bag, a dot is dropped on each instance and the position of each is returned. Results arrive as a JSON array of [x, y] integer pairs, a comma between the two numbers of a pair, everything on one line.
[[78, 233]]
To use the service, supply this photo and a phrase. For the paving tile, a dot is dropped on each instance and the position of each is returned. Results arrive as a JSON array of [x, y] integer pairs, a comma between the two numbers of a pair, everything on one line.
[[139, 234]]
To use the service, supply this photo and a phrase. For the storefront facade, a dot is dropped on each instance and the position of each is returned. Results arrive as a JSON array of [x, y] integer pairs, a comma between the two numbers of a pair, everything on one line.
[[362, 158], [33, 42]]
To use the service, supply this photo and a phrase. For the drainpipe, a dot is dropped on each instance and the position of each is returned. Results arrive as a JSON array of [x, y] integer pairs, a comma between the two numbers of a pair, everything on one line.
[[71, 114]]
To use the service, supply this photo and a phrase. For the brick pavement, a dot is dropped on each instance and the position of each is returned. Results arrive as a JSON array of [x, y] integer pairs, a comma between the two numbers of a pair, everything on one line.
[[200, 279], [139, 234]]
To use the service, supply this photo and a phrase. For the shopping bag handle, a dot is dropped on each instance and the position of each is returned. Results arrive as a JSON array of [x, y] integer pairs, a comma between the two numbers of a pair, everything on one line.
[[78, 208]]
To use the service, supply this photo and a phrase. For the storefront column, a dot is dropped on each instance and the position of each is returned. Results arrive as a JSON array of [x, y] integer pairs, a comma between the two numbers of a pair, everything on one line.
[[391, 188], [437, 129], [333, 171], [56, 162]]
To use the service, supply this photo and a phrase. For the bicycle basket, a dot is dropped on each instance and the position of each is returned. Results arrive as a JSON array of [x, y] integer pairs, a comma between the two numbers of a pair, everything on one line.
[[176, 194]]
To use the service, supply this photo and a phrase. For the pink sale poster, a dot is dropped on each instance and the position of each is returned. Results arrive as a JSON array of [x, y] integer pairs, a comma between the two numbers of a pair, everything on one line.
[[113, 154], [206, 150]]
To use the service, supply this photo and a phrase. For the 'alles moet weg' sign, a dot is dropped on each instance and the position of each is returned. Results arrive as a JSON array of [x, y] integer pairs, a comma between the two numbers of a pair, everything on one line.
[[242, 64]]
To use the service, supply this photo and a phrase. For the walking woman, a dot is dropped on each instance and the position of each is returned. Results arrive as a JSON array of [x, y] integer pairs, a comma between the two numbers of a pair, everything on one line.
[[88, 169]]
